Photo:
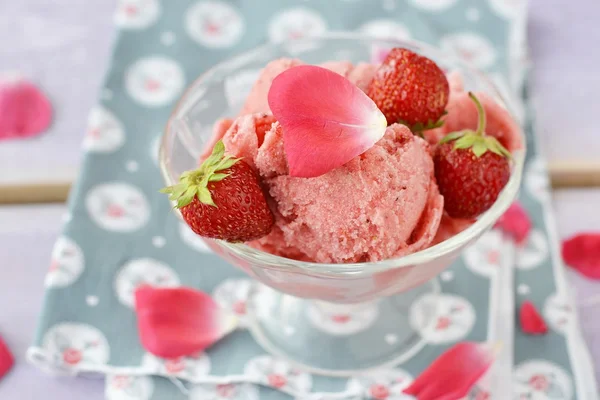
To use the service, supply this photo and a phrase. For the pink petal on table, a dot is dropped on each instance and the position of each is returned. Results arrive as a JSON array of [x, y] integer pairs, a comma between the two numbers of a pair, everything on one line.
[[452, 375], [582, 253], [515, 222], [175, 322], [6, 358], [531, 321], [326, 120], [24, 110]]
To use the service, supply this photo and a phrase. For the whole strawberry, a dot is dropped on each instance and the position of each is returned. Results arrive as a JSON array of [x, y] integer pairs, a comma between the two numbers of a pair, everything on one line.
[[410, 89], [471, 169], [222, 199]]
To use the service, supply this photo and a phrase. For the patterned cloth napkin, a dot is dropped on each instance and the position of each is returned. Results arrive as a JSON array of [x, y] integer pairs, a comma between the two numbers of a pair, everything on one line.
[[120, 231]]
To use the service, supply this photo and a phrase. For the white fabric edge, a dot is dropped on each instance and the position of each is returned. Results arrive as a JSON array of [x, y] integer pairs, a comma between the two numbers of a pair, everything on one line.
[[38, 357]]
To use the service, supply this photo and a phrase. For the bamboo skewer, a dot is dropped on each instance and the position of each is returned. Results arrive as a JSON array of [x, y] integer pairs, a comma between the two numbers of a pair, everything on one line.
[[562, 175]]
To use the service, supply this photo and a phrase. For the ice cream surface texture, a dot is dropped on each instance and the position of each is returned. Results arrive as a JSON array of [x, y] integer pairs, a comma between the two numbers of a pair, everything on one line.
[[384, 203]]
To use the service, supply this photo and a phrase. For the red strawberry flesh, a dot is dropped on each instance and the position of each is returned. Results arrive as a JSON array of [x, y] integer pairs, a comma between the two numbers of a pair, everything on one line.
[[471, 170], [410, 88]]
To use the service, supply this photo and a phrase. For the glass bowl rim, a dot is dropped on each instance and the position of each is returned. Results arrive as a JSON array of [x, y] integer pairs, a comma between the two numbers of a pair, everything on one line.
[[275, 262]]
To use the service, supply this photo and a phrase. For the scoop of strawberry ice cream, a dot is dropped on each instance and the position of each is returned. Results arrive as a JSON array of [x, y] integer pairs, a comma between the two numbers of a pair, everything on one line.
[[382, 204]]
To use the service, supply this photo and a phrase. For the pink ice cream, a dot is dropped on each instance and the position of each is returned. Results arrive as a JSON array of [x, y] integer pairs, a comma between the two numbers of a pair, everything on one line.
[[384, 203]]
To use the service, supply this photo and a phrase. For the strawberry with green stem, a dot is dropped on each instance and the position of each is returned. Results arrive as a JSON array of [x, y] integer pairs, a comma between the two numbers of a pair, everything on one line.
[[222, 199], [471, 169]]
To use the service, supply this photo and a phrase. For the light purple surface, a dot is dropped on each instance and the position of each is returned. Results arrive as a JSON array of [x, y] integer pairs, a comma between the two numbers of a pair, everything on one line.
[[563, 40], [27, 234], [64, 47], [78, 35]]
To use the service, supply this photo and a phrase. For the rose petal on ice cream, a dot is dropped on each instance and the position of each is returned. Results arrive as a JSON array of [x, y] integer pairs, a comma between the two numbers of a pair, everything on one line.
[[174, 322], [326, 120], [257, 101], [582, 253], [25, 111], [454, 373]]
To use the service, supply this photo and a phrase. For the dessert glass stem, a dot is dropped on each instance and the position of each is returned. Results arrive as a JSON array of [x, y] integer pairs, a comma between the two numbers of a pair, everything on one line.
[[342, 339]]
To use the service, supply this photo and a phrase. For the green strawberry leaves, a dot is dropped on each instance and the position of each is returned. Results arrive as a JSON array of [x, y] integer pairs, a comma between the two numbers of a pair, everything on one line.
[[453, 136], [477, 140], [194, 183], [420, 127]]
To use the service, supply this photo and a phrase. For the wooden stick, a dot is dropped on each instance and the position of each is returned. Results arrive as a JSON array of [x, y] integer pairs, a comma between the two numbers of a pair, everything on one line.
[[562, 175], [574, 174], [35, 193]]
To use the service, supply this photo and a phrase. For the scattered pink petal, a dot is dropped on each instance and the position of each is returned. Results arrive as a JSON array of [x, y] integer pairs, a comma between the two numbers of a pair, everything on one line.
[[452, 375], [531, 321], [582, 253], [515, 222], [6, 358], [175, 322], [326, 120], [24, 110]]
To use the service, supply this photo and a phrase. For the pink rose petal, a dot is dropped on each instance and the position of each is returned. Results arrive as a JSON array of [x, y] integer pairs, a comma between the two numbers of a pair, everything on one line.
[[6, 358], [175, 322], [24, 109], [326, 120], [515, 222], [531, 321], [452, 375], [582, 253]]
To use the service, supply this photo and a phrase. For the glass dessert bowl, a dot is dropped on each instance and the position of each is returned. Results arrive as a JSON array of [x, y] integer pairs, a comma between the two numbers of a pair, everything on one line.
[[332, 319]]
